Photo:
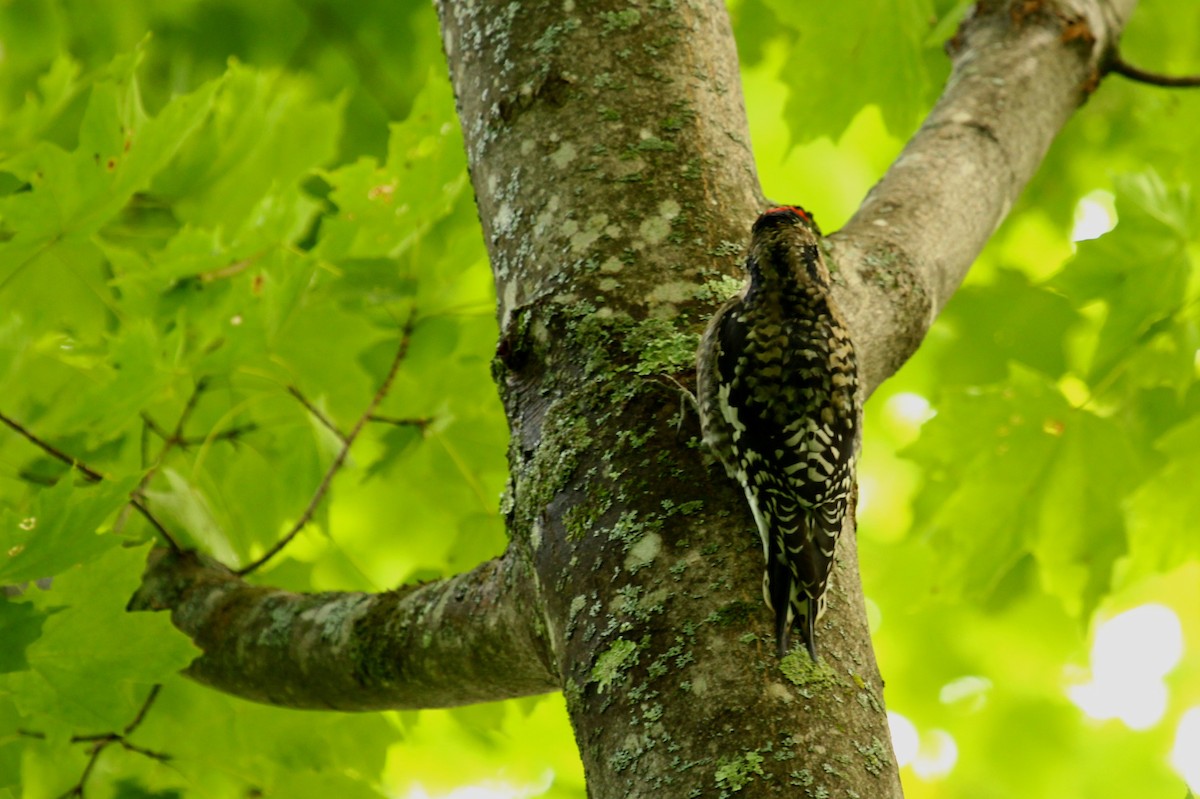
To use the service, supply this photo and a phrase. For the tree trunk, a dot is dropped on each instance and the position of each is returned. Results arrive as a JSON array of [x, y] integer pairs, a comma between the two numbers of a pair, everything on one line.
[[609, 153]]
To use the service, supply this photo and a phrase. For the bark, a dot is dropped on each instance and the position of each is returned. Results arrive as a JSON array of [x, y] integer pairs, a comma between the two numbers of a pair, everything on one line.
[[609, 154], [421, 646]]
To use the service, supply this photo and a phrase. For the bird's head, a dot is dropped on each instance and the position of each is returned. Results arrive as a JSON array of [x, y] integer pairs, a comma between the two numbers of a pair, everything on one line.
[[784, 245]]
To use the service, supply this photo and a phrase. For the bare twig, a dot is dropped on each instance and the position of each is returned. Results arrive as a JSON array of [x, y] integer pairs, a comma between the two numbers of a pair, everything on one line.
[[174, 439], [420, 424], [151, 698], [52, 450], [170, 441], [92, 475], [348, 441], [231, 270], [316, 412], [232, 434], [1121, 67], [154, 427], [141, 508], [102, 741]]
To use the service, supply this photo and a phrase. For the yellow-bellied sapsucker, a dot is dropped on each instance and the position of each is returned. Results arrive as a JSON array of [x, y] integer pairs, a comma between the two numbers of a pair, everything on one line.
[[777, 385]]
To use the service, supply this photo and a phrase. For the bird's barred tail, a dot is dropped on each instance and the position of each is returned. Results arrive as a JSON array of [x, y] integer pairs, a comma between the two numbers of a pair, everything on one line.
[[799, 560], [795, 608]]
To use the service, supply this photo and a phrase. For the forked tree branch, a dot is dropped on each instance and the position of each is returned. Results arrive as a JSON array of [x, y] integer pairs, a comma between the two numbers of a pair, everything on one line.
[[610, 160]]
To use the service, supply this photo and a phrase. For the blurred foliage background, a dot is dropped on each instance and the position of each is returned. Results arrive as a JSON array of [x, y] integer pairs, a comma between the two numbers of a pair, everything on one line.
[[258, 195]]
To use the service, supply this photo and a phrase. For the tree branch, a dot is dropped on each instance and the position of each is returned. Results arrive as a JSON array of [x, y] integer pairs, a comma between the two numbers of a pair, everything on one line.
[[469, 638], [1017, 79], [610, 160], [51, 450]]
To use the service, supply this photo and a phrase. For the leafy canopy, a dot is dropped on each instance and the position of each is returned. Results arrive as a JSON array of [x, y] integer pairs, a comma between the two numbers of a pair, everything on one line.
[[257, 195]]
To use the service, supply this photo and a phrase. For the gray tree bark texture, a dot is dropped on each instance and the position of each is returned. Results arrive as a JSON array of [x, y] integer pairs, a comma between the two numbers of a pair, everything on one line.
[[609, 153]]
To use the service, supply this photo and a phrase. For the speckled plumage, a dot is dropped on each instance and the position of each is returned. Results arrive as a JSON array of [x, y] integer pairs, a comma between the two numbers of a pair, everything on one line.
[[777, 386]]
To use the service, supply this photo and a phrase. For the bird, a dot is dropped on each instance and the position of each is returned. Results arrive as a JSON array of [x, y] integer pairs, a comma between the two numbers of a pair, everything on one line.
[[777, 394]]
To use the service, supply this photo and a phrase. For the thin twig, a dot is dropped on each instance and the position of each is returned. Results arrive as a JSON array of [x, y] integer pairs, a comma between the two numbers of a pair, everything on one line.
[[1121, 67], [108, 738], [53, 451], [316, 412], [91, 474], [421, 423], [174, 439], [183, 442], [104, 740], [154, 428], [170, 441], [141, 508], [231, 270], [151, 698], [348, 441], [232, 434]]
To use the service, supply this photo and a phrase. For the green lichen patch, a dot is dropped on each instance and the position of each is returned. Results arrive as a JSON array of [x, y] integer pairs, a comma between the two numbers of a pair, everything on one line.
[[643, 553], [719, 289], [629, 530], [660, 348], [808, 677], [580, 519], [620, 20], [554, 463], [613, 663], [734, 774], [876, 757]]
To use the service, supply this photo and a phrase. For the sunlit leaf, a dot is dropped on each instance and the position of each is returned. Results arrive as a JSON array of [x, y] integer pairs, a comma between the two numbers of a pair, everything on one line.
[[1140, 270], [1164, 510], [94, 641], [60, 529], [889, 51]]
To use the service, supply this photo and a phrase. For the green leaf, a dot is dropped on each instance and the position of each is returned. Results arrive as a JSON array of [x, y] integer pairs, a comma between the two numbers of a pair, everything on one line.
[[1140, 269], [395, 443], [184, 505], [136, 371], [60, 529], [266, 133], [384, 210], [127, 789], [1006, 320], [95, 661], [20, 625], [1162, 513], [1080, 527], [888, 57], [55, 89], [986, 454], [74, 194]]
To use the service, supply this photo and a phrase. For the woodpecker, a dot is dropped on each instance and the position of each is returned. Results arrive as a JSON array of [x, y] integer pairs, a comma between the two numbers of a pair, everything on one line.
[[777, 390]]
